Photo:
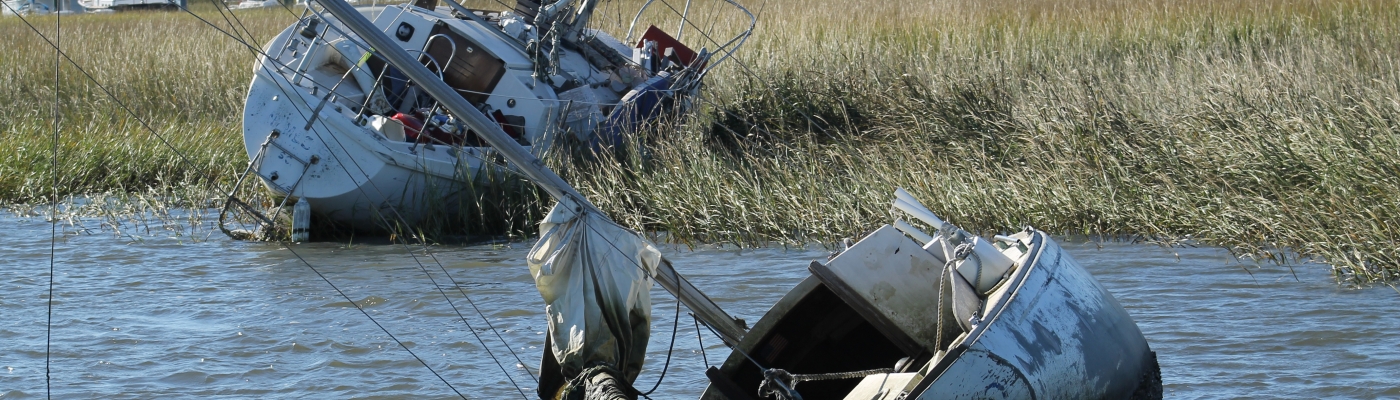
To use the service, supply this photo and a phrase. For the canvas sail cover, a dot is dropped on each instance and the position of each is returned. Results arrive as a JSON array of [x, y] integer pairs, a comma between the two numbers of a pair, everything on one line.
[[595, 277]]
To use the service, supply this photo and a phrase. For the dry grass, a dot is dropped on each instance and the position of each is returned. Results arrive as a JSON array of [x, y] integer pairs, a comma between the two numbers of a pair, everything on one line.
[[169, 69], [1266, 127], [1269, 127]]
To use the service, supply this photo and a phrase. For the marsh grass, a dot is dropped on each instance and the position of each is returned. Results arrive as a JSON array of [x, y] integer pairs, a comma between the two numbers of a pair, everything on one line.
[[167, 69], [1267, 127]]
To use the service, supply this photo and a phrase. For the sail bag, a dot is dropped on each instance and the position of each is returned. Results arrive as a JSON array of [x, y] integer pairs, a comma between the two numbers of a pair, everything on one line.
[[595, 277]]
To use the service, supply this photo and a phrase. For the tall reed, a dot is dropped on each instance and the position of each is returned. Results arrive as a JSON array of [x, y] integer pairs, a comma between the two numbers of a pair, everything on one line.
[[164, 68], [1268, 127]]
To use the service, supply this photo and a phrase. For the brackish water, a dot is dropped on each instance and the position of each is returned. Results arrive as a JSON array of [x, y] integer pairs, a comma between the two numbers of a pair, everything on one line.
[[150, 312]]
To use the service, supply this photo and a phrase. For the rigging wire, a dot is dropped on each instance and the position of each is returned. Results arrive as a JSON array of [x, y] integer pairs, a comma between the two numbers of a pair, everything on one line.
[[361, 309], [733, 346], [372, 320], [239, 38], [144, 124], [386, 331], [462, 291], [53, 210], [411, 254]]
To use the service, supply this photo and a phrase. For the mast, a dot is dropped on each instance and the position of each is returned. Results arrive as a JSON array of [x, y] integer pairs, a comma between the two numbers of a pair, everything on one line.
[[729, 329]]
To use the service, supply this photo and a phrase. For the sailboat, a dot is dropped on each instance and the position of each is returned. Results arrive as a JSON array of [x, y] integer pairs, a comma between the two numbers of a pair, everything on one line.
[[594, 274], [900, 314], [328, 120]]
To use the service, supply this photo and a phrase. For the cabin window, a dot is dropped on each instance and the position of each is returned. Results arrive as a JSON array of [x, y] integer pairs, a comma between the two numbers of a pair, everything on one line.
[[466, 66]]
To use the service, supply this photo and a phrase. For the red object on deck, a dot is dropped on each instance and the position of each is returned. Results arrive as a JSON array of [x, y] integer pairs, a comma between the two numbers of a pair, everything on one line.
[[412, 127], [664, 41]]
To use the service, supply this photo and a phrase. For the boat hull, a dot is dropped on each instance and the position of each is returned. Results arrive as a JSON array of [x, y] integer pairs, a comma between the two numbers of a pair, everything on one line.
[[1049, 331], [326, 121], [348, 173], [1059, 335]]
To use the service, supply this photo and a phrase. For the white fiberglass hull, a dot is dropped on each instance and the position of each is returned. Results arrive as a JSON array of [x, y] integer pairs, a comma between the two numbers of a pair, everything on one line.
[[327, 122], [1047, 331], [347, 172], [1057, 334], [350, 173]]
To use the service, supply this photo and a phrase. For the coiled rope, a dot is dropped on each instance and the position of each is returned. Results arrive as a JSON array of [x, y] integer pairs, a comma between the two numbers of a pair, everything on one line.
[[783, 385]]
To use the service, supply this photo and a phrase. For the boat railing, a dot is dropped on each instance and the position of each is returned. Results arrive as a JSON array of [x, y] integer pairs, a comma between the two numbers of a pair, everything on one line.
[[452, 45], [727, 49]]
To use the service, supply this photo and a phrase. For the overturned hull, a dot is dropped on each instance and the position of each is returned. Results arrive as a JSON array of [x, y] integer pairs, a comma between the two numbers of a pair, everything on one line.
[[1057, 335], [889, 307]]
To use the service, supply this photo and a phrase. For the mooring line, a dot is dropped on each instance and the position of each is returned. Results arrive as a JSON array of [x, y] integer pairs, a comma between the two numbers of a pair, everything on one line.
[[675, 326], [53, 201], [700, 341], [675, 322]]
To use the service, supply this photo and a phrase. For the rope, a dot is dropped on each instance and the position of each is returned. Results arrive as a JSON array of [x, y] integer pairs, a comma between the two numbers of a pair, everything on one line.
[[961, 252], [700, 341], [53, 221], [783, 385], [943, 278], [585, 381], [675, 324], [949, 268]]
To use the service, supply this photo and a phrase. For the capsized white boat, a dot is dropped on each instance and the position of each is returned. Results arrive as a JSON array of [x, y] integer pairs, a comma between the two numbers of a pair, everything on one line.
[[331, 122], [890, 318]]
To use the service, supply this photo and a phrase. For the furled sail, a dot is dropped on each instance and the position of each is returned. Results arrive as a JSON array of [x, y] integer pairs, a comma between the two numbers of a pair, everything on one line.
[[595, 277]]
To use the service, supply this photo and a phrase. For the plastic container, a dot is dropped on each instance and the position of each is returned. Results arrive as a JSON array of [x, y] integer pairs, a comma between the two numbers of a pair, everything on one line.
[[301, 221]]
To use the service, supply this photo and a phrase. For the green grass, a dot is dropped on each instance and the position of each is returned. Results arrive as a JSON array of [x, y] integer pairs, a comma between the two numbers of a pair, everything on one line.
[[1271, 128]]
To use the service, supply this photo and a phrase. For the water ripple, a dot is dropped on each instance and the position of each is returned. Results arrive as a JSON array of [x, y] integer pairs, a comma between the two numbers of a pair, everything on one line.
[[164, 317]]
